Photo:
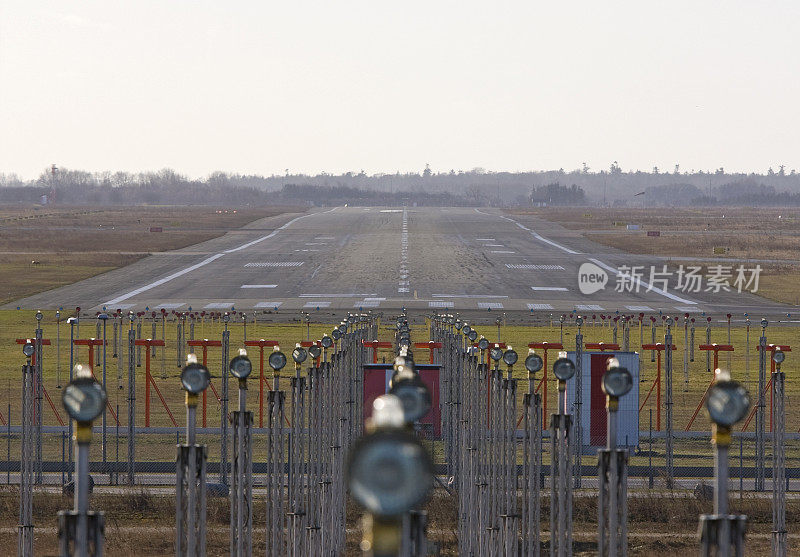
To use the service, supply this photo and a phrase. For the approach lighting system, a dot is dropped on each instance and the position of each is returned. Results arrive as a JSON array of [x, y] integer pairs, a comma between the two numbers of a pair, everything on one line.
[[473, 335], [727, 402], [389, 473], [28, 349], [415, 397], [617, 381], [240, 366], [533, 362], [563, 368], [84, 398], [195, 377], [277, 360], [483, 344], [466, 329], [336, 333], [496, 353], [326, 341], [299, 354], [510, 356], [778, 356], [315, 351]]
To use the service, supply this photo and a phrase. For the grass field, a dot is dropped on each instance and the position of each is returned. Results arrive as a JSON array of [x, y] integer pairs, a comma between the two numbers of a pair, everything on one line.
[[745, 233], [69, 244]]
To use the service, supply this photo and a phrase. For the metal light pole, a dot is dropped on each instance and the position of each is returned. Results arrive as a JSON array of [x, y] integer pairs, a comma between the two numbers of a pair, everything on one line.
[[81, 532], [560, 465], [241, 524], [721, 533], [190, 500], [779, 535], [26, 476]]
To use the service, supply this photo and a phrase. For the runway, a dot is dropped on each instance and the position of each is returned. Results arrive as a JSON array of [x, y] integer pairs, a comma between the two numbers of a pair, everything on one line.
[[420, 258]]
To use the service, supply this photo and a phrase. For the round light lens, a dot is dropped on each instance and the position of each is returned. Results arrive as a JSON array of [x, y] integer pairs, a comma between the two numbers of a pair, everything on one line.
[[241, 367], [473, 334], [389, 473], [510, 357], [727, 403], [496, 353], [483, 344], [404, 341], [778, 356], [299, 355], [466, 329], [28, 349], [458, 325], [617, 382], [415, 397], [195, 378], [277, 360], [326, 341], [336, 334], [315, 351], [563, 369], [533, 363], [83, 399]]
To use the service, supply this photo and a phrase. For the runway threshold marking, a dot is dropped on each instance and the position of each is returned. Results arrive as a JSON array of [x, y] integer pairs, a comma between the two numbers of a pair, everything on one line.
[[275, 305], [639, 308], [275, 264], [490, 305], [588, 307], [218, 305], [440, 304], [530, 267], [337, 295], [540, 306], [317, 304], [473, 296], [169, 306], [206, 261]]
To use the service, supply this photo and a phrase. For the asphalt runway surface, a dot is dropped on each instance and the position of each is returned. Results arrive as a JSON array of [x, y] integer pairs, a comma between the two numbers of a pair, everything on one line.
[[420, 258]]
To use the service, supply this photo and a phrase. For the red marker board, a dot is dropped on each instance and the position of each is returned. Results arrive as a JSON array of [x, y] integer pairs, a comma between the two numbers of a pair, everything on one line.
[[376, 383]]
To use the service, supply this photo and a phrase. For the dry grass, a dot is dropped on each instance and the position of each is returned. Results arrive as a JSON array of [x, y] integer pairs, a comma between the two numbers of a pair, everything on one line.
[[73, 243], [746, 233]]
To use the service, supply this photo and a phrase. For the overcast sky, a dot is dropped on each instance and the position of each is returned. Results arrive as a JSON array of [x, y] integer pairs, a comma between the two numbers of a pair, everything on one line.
[[259, 87]]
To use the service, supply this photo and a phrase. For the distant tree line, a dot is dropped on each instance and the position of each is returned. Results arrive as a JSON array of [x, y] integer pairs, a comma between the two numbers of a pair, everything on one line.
[[476, 187]]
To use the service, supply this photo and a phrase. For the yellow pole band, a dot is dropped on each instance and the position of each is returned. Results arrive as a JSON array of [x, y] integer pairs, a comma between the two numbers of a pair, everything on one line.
[[191, 399], [720, 435], [83, 432], [612, 403]]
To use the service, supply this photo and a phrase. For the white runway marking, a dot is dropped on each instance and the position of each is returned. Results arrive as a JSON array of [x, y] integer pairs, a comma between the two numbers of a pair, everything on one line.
[[316, 243], [474, 296], [169, 306], [493, 245], [275, 305], [440, 304], [485, 239], [336, 295], [540, 306], [490, 305], [207, 261], [639, 308], [588, 307], [642, 283], [501, 251], [219, 305], [403, 286], [124, 306], [259, 286], [325, 238], [532, 233], [275, 264], [367, 304], [550, 288], [688, 308], [529, 267], [317, 305], [163, 280]]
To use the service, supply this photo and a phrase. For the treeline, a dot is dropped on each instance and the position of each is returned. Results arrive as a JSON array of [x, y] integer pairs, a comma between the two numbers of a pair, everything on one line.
[[478, 187], [748, 193]]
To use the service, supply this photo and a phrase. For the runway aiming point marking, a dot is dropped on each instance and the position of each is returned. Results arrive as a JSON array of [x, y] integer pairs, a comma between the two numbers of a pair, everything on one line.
[[490, 305], [639, 308], [218, 305], [259, 286], [540, 306], [529, 267], [549, 288], [167, 306], [268, 305], [275, 264], [317, 305], [588, 307], [440, 304]]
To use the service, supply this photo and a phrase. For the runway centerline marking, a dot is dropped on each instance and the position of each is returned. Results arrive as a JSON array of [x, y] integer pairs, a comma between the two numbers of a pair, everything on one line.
[[259, 286], [550, 288]]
